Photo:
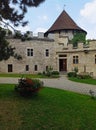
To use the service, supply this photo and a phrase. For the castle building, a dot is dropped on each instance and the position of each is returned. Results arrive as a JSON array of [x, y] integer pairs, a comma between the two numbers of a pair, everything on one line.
[[53, 48]]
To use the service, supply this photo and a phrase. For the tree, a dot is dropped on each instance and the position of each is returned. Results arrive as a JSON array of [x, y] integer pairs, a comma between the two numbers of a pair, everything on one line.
[[14, 10], [6, 50]]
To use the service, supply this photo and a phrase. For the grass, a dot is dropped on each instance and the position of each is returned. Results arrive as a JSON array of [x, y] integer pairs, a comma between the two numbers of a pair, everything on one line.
[[51, 109], [27, 75], [87, 81], [22, 75]]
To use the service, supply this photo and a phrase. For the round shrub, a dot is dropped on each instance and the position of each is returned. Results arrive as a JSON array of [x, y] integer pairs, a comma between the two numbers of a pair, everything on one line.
[[28, 87]]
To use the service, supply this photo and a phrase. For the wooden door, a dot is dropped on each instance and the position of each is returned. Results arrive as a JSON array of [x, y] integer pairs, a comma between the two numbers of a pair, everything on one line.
[[63, 65]]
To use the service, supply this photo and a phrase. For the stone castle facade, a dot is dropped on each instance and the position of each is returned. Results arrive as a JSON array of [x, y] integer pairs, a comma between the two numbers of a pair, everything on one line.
[[53, 49]]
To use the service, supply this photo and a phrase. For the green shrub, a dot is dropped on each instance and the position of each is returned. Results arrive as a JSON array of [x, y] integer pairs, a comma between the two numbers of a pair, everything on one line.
[[28, 87], [23, 38], [75, 69], [72, 74], [44, 73], [49, 71], [80, 76], [55, 73], [39, 73], [18, 35]]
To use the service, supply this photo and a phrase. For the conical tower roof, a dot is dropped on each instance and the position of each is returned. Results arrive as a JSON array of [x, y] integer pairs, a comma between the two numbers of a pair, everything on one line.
[[64, 22]]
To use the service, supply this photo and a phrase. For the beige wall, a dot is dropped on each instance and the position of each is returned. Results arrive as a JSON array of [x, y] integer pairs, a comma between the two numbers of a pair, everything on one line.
[[56, 47], [39, 58]]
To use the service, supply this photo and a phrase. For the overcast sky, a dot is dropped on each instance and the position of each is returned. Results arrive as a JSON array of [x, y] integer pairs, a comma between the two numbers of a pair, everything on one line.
[[83, 12]]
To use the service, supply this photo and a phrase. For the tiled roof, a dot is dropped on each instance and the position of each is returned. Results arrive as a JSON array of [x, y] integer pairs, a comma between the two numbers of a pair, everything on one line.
[[64, 22]]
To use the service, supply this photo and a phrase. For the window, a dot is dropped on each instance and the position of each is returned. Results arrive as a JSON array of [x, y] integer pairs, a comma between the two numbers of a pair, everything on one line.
[[46, 68], [95, 59], [29, 52], [35, 67], [27, 67], [47, 52], [75, 60], [10, 68], [62, 55], [66, 31]]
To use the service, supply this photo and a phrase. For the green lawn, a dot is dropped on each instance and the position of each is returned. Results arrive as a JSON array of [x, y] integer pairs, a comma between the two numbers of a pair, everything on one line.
[[27, 75], [51, 109], [22, 75], [87, 81]]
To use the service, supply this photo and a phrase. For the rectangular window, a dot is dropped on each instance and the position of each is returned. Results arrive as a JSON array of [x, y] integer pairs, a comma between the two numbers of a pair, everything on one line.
[[95, 59], [10, 68], [35, 67], [29, 52], [46, 68], [62, 55], [27, 67], [75, 59], [47, 52]]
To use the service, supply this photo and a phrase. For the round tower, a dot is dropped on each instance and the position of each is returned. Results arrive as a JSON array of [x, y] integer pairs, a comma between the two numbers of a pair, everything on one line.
[[64, 26]]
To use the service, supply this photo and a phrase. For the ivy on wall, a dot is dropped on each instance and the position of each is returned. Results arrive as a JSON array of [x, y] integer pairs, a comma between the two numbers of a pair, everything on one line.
[[78, 37]]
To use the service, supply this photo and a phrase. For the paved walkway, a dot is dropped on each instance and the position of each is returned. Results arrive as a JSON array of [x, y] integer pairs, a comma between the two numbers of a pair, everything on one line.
[[61, 83]]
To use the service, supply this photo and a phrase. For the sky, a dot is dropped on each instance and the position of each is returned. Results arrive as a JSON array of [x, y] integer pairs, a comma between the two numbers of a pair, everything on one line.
[[41, 18]]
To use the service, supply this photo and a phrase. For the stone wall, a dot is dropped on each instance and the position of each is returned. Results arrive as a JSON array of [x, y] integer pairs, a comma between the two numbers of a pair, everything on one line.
[[39, 57], [59, 46], [86, 56]]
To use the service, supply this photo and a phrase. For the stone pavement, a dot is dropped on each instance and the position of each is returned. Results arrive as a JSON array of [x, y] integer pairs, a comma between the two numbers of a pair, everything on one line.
[[61, 83]]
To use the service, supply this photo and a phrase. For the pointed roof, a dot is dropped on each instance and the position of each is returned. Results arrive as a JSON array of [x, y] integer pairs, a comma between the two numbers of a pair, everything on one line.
[[64, 22]]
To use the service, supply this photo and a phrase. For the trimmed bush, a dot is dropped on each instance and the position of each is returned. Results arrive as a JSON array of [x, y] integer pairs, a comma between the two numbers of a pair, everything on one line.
[[55, 73], [28, 87], [72, 74]]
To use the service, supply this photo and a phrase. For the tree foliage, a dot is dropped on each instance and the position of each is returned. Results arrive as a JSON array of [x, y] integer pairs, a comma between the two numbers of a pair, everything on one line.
[[14, 10], [78, 37], [6, 50]]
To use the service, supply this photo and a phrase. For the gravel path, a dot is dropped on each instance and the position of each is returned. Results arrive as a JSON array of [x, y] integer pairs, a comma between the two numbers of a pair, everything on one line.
[[61, 83]]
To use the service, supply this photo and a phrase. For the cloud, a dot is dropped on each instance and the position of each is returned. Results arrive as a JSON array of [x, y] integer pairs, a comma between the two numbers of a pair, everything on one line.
[[40, 29], [23, 29], [88, 19], [89, 11], [44, 17]]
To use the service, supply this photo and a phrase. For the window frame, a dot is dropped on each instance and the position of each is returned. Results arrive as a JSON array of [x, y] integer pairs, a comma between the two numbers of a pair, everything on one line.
[[76, 59], [35, 67], [47, 52], [29, 52], [27, 67]]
